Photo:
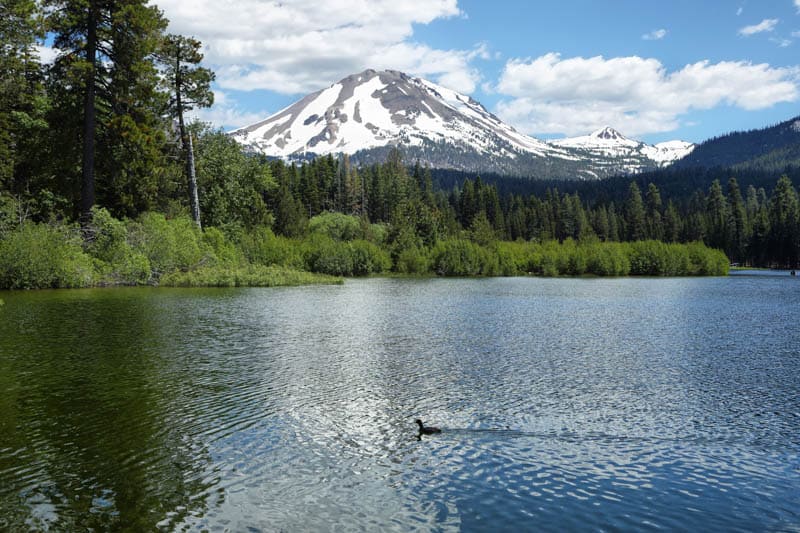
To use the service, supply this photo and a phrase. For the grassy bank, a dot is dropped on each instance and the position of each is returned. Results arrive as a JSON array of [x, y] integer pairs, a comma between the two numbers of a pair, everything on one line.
[[154, 250]]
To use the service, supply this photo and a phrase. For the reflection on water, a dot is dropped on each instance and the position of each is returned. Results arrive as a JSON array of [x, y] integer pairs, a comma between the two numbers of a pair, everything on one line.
[[669, 403]]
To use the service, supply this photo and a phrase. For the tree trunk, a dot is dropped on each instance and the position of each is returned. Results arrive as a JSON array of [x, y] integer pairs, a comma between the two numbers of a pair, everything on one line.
[[89, 121], [188, 149], [194, 200]]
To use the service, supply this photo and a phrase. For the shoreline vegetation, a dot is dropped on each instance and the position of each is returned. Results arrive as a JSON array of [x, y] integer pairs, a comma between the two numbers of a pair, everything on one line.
[[154, 250]]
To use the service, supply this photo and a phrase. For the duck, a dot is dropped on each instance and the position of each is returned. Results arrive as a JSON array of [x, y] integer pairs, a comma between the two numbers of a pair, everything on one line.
[[430, 430]]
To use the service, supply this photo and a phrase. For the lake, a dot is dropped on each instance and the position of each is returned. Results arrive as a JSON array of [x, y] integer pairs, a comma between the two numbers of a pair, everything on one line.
[[607, 404]]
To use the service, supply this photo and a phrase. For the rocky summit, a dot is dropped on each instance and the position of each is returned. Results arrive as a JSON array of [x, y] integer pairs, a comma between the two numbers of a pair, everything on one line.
[[366, 114]]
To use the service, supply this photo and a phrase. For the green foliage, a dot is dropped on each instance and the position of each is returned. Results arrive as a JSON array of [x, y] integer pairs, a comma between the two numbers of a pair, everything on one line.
[[42, 256], [337, 226], [223, 250], [104, 87], [232, 185], [23, 102], [340, 258], [169, 245], [481, 231], [704, 261], [245, 276], [116, 261], [458, 257], [412, 260], [608, 259], [369, 258], [262, 247], [634, 213]]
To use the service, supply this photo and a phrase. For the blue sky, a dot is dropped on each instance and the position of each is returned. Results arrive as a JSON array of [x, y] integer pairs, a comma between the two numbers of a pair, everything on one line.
[[654, 70]]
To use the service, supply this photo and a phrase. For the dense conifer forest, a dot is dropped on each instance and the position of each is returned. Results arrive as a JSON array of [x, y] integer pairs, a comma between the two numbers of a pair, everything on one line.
[[104, 181]]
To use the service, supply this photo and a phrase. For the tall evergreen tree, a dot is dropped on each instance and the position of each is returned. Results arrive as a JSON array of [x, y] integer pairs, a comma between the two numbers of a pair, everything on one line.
[[106, 68], [189, 86], [784, 221], [672, 223], [635, 214], [655, 222], [717, 217], [737, 222], [23, 101]]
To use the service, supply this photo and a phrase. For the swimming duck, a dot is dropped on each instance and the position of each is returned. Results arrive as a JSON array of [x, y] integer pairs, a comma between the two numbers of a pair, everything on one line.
[[430, 430]]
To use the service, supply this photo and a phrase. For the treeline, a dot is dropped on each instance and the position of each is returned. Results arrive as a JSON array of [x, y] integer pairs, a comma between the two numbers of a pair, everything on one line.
[[753, 228], [175, 252]]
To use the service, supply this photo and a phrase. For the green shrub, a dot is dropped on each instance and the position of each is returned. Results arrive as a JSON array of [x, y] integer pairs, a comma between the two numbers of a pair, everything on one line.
[[225, 251], [38, 256], [9, 214], [377, 233], [648, 258], [608, 259], [326, 256], [262, 247], [458, 257], [337, 226], [244, 276], [368, 258], [704, 261], [412, 260], [169, 245], [115, 260]]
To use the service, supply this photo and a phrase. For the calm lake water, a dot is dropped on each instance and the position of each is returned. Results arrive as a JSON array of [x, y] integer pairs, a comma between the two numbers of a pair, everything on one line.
[[565, 404]]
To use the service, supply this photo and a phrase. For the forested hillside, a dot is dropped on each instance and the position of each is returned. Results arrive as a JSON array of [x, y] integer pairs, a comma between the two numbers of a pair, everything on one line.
[[759, 148]]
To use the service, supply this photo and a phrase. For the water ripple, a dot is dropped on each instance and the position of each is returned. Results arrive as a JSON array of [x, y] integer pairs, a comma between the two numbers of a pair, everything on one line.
[[565, 404]]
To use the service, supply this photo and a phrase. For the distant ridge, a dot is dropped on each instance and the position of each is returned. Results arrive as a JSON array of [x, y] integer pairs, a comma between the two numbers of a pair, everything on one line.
[[770, 147]]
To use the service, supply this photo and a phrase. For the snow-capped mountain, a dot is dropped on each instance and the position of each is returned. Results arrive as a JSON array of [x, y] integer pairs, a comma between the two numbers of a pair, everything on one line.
[[366, 114], [610, 147]]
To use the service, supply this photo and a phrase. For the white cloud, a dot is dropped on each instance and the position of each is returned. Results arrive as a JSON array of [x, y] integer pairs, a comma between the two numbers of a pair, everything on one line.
[[305, 45], [763, 26], [739, 11], [636, 95], [226, 113], [797, 5], [655, 35], [47, 54], [782, 42], [796, 34]]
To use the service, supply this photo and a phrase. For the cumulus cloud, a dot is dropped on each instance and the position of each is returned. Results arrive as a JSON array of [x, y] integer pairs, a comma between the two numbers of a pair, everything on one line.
[[226, 113], [636, 95], [765, 25], [797, 5], [655, 35], [304, 45]]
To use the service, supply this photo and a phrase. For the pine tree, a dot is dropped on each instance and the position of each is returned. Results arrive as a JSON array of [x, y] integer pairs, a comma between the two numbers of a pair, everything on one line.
[[784, 222], [614, 231], [655, 222], [189, 86], [635, 214], [737, 223], [105, 74], [717, 233], [23, 101], [672, 223]]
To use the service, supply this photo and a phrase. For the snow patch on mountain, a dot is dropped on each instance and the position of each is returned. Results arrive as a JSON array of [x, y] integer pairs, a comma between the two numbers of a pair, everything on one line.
[[635, 156], [374, 110]]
